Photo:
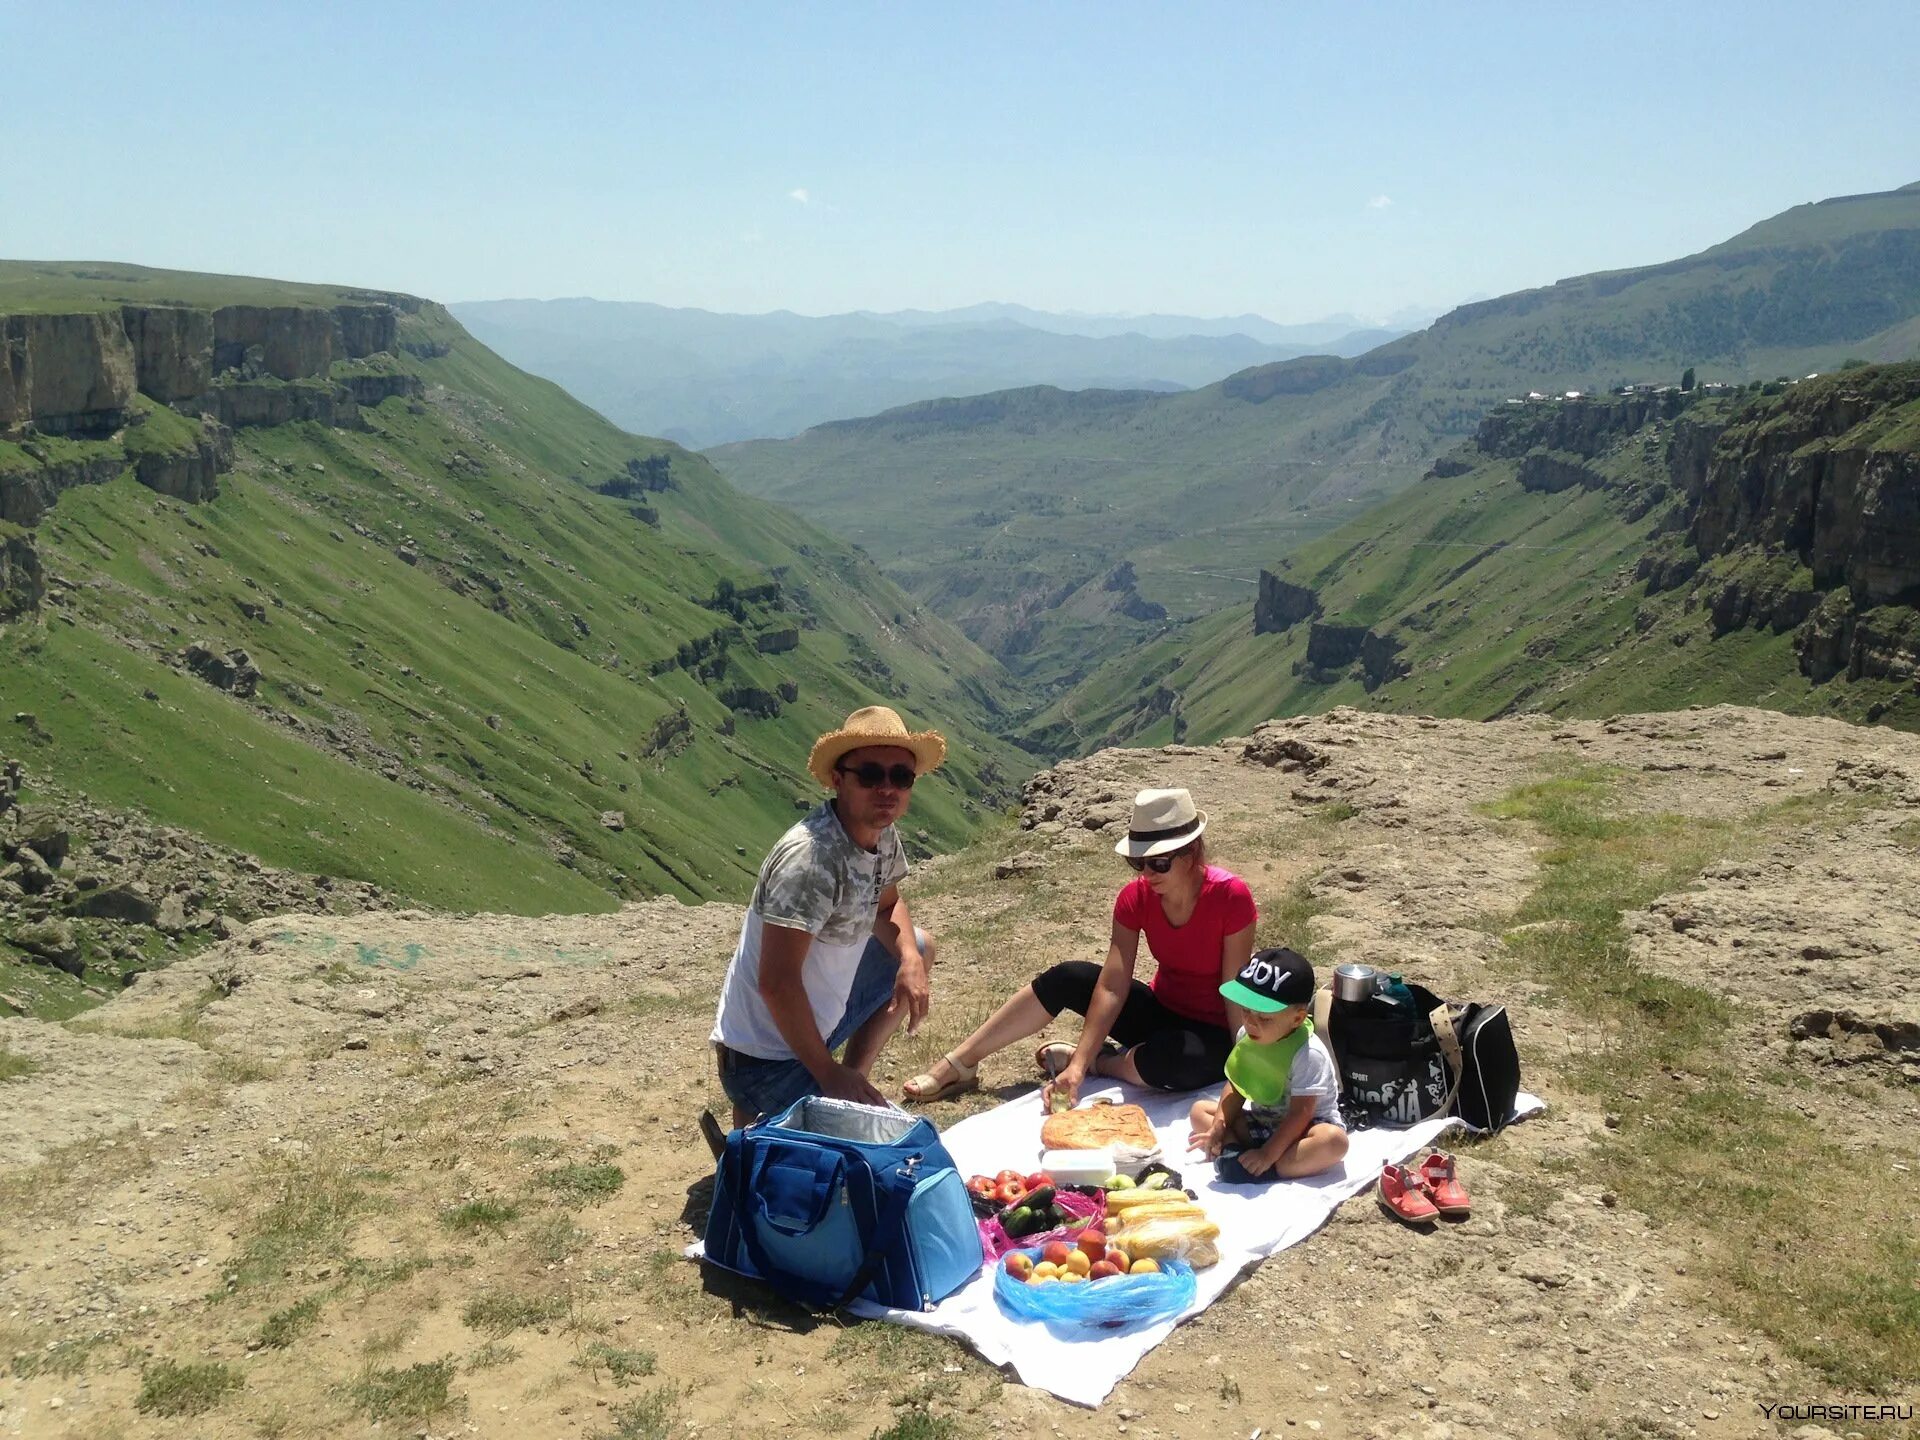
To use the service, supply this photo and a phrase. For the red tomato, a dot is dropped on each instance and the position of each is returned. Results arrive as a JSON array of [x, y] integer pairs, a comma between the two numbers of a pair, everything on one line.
[[1037, 1179]]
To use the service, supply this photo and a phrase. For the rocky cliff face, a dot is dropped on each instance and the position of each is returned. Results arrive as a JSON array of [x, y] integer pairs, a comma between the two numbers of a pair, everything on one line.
[[172, 349], [1552, 471], [191, 475], [66, 374], [76, 374], [27, 495], [1814, 477], [22, 586], [1583, 427], [1282, 605]]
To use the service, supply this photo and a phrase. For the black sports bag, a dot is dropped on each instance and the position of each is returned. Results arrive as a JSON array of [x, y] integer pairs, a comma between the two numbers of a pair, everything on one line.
[[1399, 1065]]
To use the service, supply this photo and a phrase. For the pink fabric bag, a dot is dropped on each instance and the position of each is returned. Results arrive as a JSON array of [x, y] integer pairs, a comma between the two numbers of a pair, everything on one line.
[[1086, 1210]]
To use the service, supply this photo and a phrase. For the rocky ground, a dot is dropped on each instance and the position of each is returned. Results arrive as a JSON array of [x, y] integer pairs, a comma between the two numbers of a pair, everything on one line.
[[399, 1173], [95, 895]]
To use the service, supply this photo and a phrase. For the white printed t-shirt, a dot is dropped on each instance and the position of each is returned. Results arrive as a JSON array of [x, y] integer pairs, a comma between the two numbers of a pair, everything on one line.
[[817, 880]]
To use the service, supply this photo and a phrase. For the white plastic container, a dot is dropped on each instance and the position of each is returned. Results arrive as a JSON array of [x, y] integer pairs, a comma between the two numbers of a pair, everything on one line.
[[1078, 1167]]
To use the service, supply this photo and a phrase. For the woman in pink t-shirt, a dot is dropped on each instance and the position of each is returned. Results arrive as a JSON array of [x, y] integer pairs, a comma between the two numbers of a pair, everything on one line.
[[1171, 1034]]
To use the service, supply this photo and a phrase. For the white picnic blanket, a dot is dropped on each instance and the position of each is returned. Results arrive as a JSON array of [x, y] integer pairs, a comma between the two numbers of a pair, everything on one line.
[[1254, 1222]]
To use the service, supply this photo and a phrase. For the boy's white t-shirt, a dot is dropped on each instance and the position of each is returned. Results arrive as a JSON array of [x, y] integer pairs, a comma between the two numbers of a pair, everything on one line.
[[1312, 1073]]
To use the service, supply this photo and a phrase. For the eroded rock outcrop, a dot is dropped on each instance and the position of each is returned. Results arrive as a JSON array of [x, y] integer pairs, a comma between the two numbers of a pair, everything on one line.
[[1552, 471], [1584, 427], [1282, 604], [22, 586], [26, 495], [65, 374], [1812, 478], [172, 349], [190, 475]]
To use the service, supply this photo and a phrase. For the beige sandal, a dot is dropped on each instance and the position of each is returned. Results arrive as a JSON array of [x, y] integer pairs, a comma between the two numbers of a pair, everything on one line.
[[923, 1089], [1053, 1057]]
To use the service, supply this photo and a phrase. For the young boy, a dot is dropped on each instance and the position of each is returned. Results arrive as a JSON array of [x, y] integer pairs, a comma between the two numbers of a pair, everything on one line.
[[1279, 1116]]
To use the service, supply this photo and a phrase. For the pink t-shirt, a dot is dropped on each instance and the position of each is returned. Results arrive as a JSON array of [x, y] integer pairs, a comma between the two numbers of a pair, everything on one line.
[[1187, 975]]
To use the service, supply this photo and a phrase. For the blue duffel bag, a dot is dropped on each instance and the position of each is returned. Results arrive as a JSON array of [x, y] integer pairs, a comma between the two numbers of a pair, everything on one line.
[[830, 1201]]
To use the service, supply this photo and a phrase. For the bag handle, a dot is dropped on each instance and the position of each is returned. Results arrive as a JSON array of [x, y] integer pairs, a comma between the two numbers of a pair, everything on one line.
[[890, 1218], [808, 1291], [1323, 1027], [1441, 1019]]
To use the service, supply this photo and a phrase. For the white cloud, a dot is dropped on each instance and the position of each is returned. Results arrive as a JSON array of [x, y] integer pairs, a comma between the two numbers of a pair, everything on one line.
[[799, 194], [1380, 202]]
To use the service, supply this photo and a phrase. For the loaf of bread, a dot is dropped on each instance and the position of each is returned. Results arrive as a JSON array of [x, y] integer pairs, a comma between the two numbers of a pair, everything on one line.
[[1097, 1126]]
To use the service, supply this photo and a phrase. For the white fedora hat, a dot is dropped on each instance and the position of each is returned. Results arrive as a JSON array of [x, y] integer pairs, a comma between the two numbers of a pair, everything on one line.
[[1162, 821]]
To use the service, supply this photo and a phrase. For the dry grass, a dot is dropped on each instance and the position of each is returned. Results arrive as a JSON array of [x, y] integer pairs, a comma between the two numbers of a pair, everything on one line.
[[1805, 1239]]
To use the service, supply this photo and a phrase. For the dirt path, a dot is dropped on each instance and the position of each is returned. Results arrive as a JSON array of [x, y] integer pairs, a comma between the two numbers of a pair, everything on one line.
[[345, 1155]]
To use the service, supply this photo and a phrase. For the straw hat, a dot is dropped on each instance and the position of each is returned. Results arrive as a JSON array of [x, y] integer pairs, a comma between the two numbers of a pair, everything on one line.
[[875, 725], [1163, 820]]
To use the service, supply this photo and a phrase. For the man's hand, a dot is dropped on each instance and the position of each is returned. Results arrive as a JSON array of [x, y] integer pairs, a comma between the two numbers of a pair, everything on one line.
[[912, 989], [843, 1082], [1064, 1086]]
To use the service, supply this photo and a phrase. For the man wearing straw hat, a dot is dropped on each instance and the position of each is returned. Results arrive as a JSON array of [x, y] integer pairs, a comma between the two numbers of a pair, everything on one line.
[[828, 955]]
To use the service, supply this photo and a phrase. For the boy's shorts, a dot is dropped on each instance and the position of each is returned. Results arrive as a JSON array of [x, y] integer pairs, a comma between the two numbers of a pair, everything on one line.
[[1229, 1171]]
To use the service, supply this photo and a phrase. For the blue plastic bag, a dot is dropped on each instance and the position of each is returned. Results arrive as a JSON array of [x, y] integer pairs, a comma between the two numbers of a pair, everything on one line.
[[1097, 1308]]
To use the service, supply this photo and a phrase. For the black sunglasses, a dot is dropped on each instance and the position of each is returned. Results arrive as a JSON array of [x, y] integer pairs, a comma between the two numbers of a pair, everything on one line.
[[1159, 864], [872, 774]]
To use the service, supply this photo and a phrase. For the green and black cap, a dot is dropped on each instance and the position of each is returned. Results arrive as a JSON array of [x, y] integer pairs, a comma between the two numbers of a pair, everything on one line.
[[1272, 980]]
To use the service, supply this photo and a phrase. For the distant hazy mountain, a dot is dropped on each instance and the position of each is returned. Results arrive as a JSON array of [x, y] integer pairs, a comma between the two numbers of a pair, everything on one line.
[[703, 378], [1337, 334]]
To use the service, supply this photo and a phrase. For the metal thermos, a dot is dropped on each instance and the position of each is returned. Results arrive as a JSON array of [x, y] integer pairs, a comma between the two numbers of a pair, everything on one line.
[[1355, 983]]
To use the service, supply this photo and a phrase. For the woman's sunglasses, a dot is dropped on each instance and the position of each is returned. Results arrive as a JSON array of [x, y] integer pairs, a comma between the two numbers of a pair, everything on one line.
[[873, 775], [1159, 864]]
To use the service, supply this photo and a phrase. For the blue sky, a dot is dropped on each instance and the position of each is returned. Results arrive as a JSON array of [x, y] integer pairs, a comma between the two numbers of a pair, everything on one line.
[[1294, 160]]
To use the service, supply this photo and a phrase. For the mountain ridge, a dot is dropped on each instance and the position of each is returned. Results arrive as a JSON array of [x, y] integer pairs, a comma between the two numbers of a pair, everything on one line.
[[1276, 455]]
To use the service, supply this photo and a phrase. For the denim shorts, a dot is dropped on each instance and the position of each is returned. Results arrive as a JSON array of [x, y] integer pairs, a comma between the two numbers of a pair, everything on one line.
[[766, 1087]]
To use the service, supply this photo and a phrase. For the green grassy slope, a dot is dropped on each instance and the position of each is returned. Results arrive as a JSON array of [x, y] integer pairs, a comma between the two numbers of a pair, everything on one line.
[[452, 725], [1506, 599], [1201, 490]]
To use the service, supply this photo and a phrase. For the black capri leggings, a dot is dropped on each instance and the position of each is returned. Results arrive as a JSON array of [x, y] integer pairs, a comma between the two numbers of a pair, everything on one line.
[[1170, 1051]]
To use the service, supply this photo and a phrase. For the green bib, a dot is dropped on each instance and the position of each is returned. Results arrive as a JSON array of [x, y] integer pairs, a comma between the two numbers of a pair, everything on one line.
[[1260, 1072]]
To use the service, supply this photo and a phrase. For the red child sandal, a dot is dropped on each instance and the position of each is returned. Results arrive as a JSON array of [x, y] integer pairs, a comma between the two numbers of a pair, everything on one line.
[[1403, 1197], [1443, 1186]]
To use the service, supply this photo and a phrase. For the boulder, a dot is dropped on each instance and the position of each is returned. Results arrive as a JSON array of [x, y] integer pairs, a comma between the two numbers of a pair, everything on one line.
[[234, 671], [30, 872], [48, 838], [50, 941], [128, 902], [171, 916], [615, 820]]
